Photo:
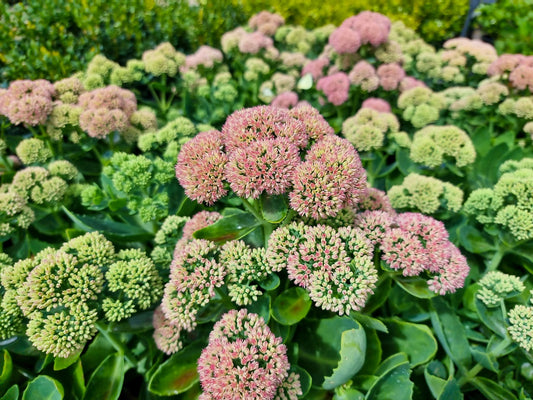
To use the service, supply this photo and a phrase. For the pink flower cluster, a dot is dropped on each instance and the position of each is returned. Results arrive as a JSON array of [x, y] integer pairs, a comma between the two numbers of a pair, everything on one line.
[[243, 359], [416, 244], [205, 56], [285, 100], [27, 102], [106, 110], [315, 67], [331, 178], [345, 40], [335, 266], [265, 22], [260, 151], [519, 67], [377, 104], [390, 76], [364, 74], [252, 43], [371, 27], [335, 87]]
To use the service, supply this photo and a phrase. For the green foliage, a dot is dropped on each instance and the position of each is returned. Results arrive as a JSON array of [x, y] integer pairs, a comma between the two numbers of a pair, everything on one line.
[[508, 23], [60, 37], [434, 21]]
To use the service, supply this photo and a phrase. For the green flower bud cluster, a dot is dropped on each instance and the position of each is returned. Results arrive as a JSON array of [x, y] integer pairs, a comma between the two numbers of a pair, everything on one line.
[[432, 145], [497, 286], [166, 238], [425, 194], [57, 296], [421, 106], [33, 151], [296, 38], [509, 203], [367, 129]]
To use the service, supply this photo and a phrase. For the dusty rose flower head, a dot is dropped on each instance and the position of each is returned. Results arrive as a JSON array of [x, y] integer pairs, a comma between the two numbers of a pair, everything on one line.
[[522, 77], [390, 76], [243, 359], [205, 56], [372, 27], [373, 199], [409, 82], [419, 244], [335, 87], [331, 178], [315, 124], [266, 22], [316, 67], [166, 336], [261, 122], [374, 224], [376, 104], [262, 166], [345, 40], [252, 43], [99, 122], [27, 102], [194, 275], [200, 167], [505, 63], [285, 100], [364, 74]]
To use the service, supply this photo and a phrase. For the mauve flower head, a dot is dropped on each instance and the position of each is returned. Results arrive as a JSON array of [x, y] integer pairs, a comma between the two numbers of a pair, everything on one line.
[[27, 102], [252, 43], [390, 76], [505, 63], [316, 125], [345, 40], [522, 77], [205, 56], [266, 22], [364, 74], [335, 87], [285, 100], [99, 122], [194, 275], [372, 27], [166, 336], [262, 166], [376, 104], [316, 67], [110, 97], [230, 40], [373, 199], [492, 92], [409, 82], [200, 167], [243, 359], [262, 122], [481, 51], [374, 224]]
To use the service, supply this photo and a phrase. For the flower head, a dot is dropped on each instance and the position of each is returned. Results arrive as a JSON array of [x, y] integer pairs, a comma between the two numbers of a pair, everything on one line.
[[364, 74], [372, 27], [33, 151], [242, 359], [376, 104], [205, 56], [335, 87], [315, 124], [496, 286], [163, 60], [374, 224], [390, 76], [521, 326], [167, 337], [27, 102], [266, 22], [285, 100], [345, 40], [315, 67]]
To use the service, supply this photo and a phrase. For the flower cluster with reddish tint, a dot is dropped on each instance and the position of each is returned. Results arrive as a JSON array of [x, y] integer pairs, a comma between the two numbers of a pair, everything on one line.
[[416, 244], [205, 56], [260, 150], [335, 266], [371, 27], [243, 359], [517, 67], [106, 110], [265, 22], [335, 87], [27, 102]]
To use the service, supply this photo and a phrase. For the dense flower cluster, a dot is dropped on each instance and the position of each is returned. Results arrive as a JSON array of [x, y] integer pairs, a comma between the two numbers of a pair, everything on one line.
[[496, 286], [243, 359], [27, 102], [367, 129]]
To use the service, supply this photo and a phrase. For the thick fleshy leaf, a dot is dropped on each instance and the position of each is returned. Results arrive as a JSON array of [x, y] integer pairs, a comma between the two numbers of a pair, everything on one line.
[[353, 349], [274, 208], [11, 394], [369, 322], [271, 282], [6, 368], [228, 228], [43, 388], [107, 380], [291, 306], [114, 230], [492, 390], [403, 336], [394, 383], [373, 353], [492, 317], [97, 351], [473, 241], [62, 363], [319, 344], [487, 360], [178, 373], [451, 332], [442, 386], [343, 393], [380, 296], [415, 286], [261, 307]]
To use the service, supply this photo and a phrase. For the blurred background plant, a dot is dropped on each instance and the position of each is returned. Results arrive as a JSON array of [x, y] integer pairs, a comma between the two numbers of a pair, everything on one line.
[[53, 39], [508, 23]]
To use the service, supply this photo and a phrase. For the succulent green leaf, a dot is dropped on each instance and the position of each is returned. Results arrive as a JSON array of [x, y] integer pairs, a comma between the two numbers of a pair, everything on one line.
[[291, 306], [43, 388], [107, 380], [11, 394], [492, 390], [415, 286], [233, 227], [393, 384], [274, 208]]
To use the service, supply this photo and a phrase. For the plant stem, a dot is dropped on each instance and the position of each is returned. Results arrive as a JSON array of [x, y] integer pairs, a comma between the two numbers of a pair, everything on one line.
[[116, 343], [495, 260]]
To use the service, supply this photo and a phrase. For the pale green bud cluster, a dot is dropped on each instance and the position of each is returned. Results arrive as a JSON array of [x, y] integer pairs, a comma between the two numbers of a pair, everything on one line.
[[497, 286], [421, 106]]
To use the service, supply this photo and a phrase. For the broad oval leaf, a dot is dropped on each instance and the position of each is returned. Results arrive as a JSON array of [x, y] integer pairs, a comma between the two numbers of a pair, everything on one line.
[[291, 306], [415, 286], [402, 337], [107, 380], [11, 394], [393, 384], [62, 363], [228, 228], [353, 349], [261, 307], [274, 208], [43, 388], [177, 374]]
